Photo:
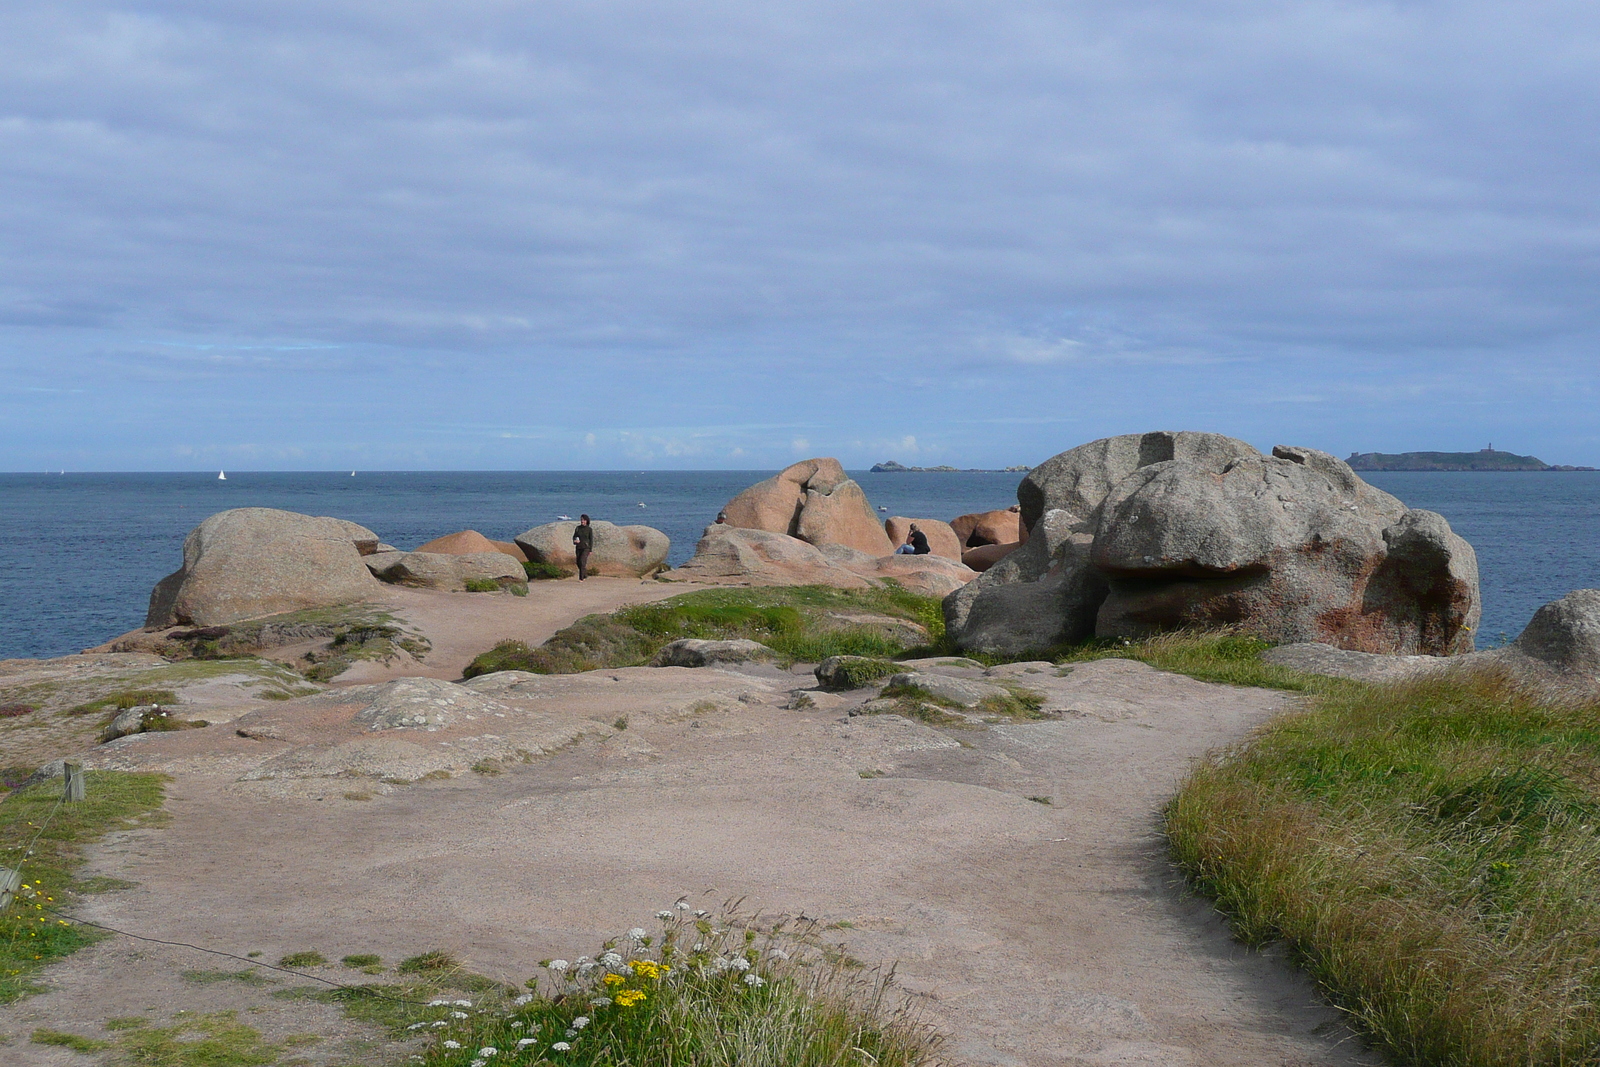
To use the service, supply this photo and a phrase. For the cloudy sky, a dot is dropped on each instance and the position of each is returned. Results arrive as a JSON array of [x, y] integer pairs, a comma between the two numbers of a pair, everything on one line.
[[471, 235]]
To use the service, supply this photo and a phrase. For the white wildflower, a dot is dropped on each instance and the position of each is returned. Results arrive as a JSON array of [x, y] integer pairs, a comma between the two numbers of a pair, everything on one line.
[[437, 1003], [560, 1046], [527, 998], [570, 1032], [584, 959], [525, 1042], [440, 1023], [600, 1002], [739, 963], [561, 965], [754, 980], [664, 915], [487, 1050], [610, 959], [452, 1044], [720, 964], [416, 1026], [479, 1063], [580, 1022], [458, 1015], [636, 933], [682, 905], [463, 1003], [701, 914], [517, 1025]]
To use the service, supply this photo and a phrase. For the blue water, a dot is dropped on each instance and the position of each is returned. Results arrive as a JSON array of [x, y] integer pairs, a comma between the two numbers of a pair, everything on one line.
[[79, 552]]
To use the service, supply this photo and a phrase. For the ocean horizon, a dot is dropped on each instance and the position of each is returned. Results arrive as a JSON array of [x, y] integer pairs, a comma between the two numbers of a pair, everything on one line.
[[80, 551]]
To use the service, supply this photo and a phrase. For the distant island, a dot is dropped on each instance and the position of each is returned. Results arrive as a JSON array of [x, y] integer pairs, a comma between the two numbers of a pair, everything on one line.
[[891, 467], [1486, 459]]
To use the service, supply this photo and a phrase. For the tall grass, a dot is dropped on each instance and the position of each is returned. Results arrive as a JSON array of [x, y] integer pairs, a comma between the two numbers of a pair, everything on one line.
[[1430, 851]]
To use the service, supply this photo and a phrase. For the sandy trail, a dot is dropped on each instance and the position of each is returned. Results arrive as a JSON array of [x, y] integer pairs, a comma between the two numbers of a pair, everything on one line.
[[1031, 934]]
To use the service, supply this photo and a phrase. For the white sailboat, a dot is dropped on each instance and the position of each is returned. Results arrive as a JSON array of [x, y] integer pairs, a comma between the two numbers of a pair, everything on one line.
[[222, 476]]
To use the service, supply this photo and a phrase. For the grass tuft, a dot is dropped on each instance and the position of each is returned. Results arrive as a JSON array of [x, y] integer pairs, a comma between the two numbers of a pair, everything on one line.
[[296, 960], [1428, 851], [437, 960], [772, 993], [71, 1041], [545, 572]]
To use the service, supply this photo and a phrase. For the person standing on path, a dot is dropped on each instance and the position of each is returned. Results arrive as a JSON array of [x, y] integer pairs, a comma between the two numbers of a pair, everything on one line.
[[583, 544]]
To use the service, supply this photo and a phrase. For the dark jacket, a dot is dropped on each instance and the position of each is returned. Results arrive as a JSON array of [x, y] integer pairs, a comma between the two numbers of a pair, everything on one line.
[[583, 538], [919, 543]]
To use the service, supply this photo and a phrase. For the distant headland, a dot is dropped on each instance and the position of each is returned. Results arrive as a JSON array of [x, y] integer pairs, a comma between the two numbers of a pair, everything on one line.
[[1486, 459], [891, 467]]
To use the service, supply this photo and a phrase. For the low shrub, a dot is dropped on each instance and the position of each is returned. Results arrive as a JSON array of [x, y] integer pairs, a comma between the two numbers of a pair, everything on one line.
[[1428, 852], [544, 572], [16, 711], [482, 585]]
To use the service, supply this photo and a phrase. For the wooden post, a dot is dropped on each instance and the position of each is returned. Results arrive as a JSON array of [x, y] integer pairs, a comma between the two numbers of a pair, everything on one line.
[[9, 881], [72, 772]]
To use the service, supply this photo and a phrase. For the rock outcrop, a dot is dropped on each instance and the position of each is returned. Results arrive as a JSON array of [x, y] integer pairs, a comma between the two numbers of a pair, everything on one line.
[[470, 542], [448, 571], [734, 555], [942, 540], [1143, 533], [620, 551], [1564, 636], [814, 501], [983, 557], [1001, 527], [250, 562]]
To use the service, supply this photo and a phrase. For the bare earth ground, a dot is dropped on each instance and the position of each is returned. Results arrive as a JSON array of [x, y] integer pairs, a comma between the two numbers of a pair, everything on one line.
[[1030, 934]]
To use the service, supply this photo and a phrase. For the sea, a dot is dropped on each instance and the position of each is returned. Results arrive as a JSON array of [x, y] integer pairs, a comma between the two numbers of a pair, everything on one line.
[[79, 552]]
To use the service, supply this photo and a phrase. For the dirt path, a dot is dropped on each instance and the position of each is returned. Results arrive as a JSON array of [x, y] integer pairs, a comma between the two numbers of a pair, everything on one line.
[[1032, 934]]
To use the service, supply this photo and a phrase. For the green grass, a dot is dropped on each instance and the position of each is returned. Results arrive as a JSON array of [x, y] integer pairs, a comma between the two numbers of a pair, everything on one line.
[[72, 1041], [31, 937], [492, 585], [217, 1039], [1429, 852], [296, 960], [699, 993], [795, 622], [123, 699], [360, 960]]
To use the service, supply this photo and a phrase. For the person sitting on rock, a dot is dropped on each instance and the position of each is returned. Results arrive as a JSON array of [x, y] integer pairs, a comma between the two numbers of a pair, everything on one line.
[[583, 544], [916, 543]]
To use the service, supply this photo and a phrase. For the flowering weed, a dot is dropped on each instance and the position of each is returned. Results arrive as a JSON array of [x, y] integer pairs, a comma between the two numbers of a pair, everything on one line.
[[702, 991]]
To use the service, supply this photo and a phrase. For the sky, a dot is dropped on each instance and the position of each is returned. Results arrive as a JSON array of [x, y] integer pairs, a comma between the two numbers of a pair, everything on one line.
[[383, 234]]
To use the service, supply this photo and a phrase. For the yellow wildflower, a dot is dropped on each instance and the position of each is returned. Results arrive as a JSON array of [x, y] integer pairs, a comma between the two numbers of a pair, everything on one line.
[[614, 979], [629, 997]]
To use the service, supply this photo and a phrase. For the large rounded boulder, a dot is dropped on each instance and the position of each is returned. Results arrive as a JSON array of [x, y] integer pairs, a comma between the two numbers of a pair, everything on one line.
[[250, 562], [620, 551], [470, 542], [450, 571], [1145, 533], [815, 501]]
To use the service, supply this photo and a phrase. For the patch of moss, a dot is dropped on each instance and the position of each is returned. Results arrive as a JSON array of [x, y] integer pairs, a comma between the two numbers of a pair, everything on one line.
[[364, 959], [72, 1041], [248, 976], [217, 1039]]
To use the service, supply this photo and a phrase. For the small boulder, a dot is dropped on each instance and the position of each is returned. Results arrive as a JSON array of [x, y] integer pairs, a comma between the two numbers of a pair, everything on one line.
[[129, 721], [249, 562], [746, 556], [1564, 634], [1002, 527], [694, 652], [853, 672], [983, 557], [942, 540], [437, 570], [619, 551]]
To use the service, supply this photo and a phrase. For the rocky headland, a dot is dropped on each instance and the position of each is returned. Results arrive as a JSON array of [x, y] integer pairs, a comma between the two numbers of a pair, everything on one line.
[[991, 828]]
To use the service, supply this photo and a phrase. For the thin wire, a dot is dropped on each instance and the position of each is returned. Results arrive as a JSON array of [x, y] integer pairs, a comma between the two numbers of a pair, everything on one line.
[[363, 990]]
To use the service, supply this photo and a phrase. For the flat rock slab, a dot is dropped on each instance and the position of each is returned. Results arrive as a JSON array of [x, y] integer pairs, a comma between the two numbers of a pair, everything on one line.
[[694, 652], [1333, 662], [961, 691], [1035, 934]]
